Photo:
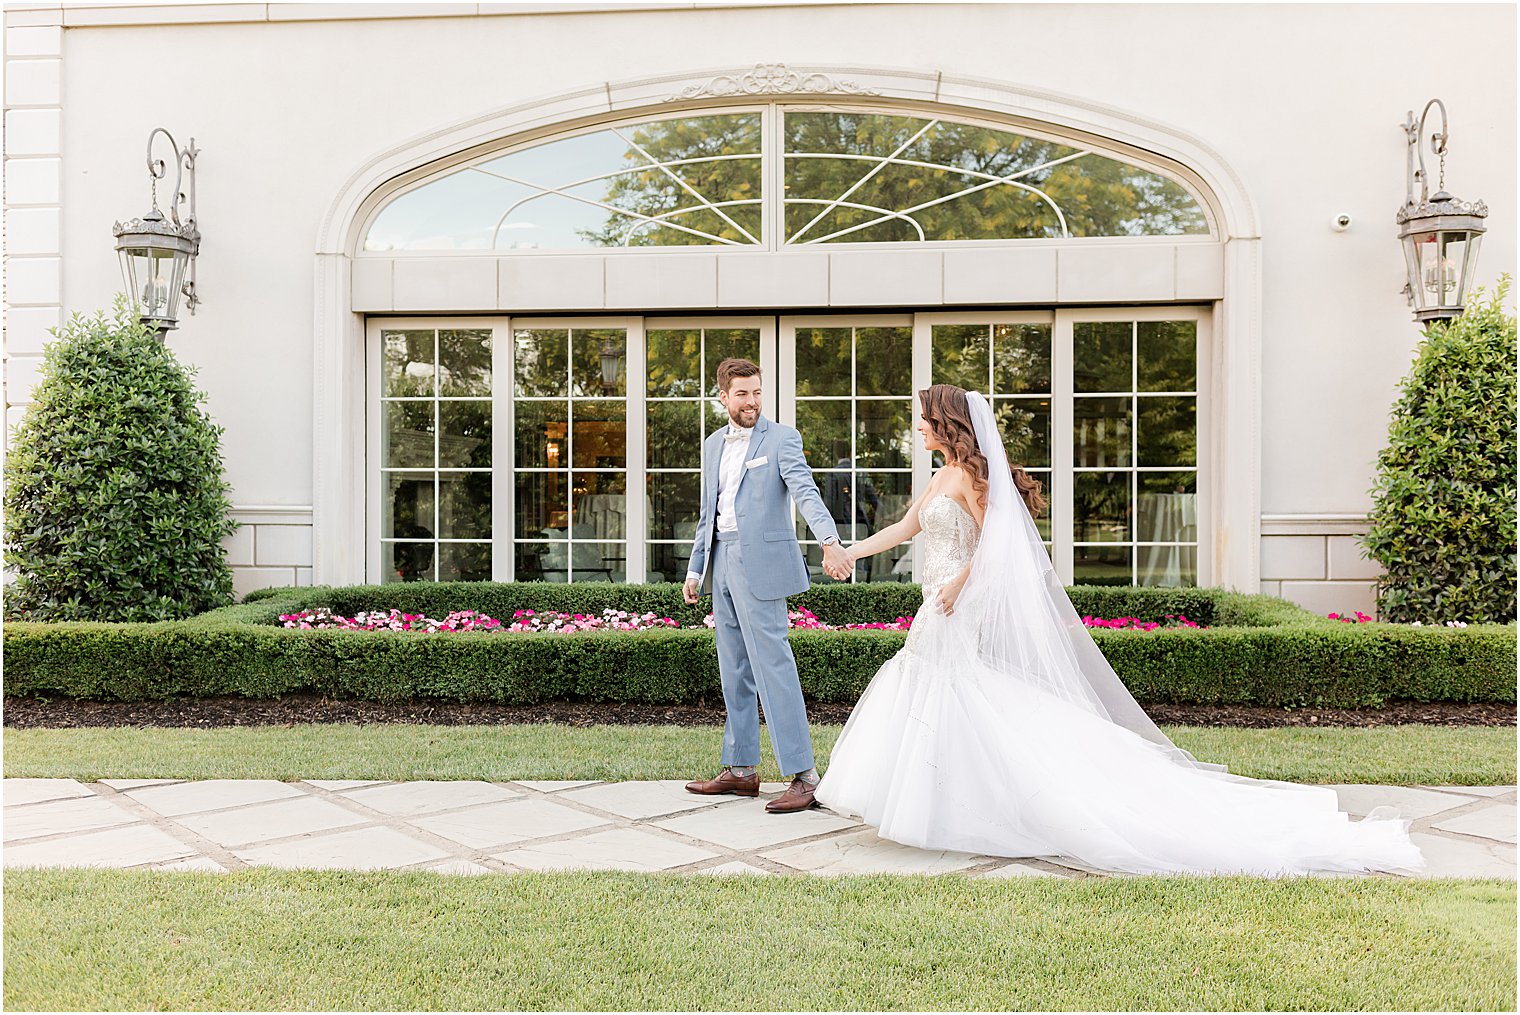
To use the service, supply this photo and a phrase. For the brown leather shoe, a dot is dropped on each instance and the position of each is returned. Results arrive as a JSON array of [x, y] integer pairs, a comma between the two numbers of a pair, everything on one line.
[[727, 782], [798, 797]]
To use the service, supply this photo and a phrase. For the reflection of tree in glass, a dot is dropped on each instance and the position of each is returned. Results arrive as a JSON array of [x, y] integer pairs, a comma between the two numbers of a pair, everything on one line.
[[1098, 196], [653, 192], [1168, 355], [540, 361], [1025, 424], [1101, 501], [593, 351], [1021, 358], [465, 438], [465, 505], [464, 363], [408, 363], [883, 361], [673, 363], [960, 356], [1168, 431]]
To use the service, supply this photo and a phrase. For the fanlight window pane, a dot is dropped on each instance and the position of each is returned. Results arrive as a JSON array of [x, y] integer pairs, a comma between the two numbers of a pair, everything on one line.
[[859, 177], [688, 181], [851, 176]]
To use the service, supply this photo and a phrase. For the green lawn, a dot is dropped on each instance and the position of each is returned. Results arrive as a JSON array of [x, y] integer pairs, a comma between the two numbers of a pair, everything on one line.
[[1404, 755], [281, 940]]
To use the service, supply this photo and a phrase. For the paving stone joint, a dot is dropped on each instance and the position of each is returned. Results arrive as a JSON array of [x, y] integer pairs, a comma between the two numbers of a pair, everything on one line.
[[470, 827]]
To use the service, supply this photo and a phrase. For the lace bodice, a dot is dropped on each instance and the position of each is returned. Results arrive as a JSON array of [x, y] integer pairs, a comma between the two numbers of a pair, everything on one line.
[[950, 538]]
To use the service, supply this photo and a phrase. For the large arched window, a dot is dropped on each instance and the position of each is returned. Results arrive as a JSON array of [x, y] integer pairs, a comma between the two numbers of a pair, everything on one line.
[[786, 175]]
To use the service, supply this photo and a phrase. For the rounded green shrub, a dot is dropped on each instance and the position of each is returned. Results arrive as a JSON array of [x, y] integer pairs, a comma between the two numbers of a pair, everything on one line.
[[1443, 524], [115, 504]]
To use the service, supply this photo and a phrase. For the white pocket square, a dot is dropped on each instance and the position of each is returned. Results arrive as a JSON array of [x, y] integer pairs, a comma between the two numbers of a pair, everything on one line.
[[757, 461]]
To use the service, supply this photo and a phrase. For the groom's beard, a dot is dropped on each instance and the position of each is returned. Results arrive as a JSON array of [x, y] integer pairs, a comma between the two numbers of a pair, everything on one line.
[[744, 417]]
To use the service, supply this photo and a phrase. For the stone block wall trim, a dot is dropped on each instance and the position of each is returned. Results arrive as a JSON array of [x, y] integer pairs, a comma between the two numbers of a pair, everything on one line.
[[247, 579], [34, 140], [282, 545], [272, 514], [1332, 597], [1313, 524], [86, 15]]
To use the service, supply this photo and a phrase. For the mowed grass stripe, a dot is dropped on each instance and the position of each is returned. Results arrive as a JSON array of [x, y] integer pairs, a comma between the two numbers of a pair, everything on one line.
[[281, 940], [1399, 755]]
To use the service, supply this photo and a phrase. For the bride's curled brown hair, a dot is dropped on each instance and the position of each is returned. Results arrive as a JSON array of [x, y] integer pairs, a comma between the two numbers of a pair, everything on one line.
[[944, 406]]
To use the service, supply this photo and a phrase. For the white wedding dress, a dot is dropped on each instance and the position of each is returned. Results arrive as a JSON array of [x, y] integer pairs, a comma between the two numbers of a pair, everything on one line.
[[945, 752]]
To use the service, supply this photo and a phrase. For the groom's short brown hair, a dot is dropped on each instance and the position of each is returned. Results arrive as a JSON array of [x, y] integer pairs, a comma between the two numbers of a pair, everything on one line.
[[733, 367]]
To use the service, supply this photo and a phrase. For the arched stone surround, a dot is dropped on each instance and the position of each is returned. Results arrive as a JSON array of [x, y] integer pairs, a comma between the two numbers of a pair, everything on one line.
[[1225, 271]]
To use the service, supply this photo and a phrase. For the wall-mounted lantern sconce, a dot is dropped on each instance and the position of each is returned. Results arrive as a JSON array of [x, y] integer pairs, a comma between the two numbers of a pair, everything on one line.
[[157, 253], [1440, 233]]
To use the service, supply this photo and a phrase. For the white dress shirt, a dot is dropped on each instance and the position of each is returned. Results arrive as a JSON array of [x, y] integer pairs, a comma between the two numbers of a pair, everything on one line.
[[730, 470], [730, 466]]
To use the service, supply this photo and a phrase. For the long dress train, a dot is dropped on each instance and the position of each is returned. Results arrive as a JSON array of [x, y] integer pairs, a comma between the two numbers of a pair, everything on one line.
[[958, 756]]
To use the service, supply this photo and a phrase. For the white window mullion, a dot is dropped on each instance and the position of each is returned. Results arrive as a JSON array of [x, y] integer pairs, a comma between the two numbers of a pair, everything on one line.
[[503, 454], [437, 480], [772, 177], [923, 371], [771, 373], [1134, 452], [1061, 453], [636, 481], [374, 479], [1208, 556]]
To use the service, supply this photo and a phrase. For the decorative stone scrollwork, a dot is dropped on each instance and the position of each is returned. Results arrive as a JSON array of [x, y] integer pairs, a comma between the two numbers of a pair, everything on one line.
[[771, 79], [1433, 208]]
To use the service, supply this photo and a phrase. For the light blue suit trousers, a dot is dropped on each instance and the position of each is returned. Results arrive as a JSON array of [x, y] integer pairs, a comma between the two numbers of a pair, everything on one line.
[[750, 572]]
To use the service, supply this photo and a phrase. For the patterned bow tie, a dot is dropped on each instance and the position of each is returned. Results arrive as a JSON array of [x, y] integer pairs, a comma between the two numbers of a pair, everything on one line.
[[731, 435]]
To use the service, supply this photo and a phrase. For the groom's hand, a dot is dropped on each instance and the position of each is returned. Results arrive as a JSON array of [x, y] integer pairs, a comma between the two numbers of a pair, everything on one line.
[[836, 562], [692, 590]]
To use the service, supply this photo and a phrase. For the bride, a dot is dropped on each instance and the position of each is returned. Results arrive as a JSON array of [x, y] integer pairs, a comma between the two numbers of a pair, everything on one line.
[[1001, 729]]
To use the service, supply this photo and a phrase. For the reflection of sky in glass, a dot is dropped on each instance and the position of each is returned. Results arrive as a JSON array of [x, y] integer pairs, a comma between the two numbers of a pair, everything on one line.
[[459, 211]]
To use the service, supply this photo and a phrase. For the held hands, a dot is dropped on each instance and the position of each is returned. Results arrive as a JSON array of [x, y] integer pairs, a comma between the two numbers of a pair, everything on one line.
[[692, 590], [838, 562]]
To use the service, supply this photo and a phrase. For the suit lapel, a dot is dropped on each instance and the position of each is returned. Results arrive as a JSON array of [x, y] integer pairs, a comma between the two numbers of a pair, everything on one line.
[[712, 462]]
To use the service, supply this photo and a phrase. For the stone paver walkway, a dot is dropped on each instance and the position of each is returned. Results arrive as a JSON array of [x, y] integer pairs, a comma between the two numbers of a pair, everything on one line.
[[464, 827]]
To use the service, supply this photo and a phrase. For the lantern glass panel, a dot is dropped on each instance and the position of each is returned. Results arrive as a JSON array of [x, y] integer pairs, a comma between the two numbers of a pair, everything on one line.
[[134, 267], [1440, 268], [1453, 265], [1469, 266], [1421, 255]]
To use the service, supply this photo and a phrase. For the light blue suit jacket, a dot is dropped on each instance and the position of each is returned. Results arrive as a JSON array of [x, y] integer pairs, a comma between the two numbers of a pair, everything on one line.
[[773, 563]]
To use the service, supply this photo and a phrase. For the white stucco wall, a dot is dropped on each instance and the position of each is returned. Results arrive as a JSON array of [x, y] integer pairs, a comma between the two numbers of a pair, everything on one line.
[[1303, 102]]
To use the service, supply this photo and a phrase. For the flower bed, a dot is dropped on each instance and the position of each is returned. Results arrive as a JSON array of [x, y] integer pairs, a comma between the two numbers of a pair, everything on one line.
[[1362, 618], [1136, 624], [1254, 650], [550, 622]]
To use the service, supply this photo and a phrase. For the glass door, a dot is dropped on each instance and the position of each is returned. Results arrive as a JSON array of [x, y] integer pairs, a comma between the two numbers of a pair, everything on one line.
[[1006, 357], [1132, 441], [681, 408], [571, 448], [847, 386]]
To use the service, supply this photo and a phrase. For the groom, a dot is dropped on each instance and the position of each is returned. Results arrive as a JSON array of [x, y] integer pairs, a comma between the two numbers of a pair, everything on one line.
[[747, 549]]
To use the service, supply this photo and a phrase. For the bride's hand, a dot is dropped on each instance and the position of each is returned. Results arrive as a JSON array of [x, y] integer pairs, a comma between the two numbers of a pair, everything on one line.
[[949, 593]]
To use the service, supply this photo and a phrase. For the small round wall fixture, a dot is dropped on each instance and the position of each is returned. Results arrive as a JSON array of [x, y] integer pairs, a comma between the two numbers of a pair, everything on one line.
[[1440, 232], [158, 253]]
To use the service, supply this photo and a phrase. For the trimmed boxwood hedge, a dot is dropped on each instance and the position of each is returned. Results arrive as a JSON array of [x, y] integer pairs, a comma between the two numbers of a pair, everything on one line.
[[1257, 651]]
